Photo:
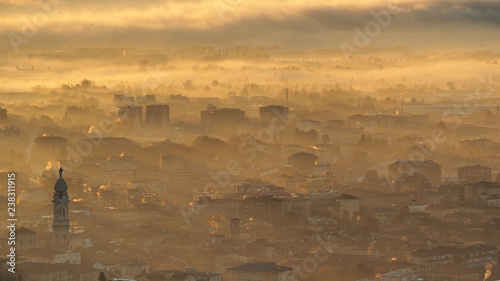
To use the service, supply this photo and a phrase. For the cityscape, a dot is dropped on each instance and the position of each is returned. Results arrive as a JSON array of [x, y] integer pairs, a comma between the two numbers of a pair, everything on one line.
[[230, 140]]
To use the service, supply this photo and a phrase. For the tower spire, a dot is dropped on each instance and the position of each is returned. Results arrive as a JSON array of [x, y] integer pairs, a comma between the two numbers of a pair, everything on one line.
[[60, 221]]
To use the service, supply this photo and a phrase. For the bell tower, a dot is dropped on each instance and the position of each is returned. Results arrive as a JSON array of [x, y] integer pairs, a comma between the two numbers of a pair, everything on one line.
[[60, 221]]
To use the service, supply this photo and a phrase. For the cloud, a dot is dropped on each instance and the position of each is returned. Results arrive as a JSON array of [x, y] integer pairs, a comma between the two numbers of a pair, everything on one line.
[[136, 22]]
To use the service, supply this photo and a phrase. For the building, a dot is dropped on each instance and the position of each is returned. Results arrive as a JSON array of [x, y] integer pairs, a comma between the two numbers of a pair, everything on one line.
[[3, 116], [48, 148], [384, 121], [190, 274], [131, 116], [348, 206], [405, 274], [206, 207], [474, 173], [477, 190], [266, 187], [235, 226], [60, 221], [147, 99], [47, 271], [157, 116], [329, 153], [225, 120], [260, 271], [303, 162], [119, 168], [26, 239], [478, 146], [430, 258], [152, 185], [307, 125], [409, 183], [335, 124], [476, 256], [274, 113], [428, 168], [382, 214], [452, 272], [222, 119]]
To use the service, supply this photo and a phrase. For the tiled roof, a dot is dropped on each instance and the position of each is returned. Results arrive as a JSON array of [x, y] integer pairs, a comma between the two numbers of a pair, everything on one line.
[[261, 267]]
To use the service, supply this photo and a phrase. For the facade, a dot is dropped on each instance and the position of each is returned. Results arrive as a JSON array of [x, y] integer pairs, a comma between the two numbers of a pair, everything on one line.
[[222, 119], [131, 115], [48, 147], [259, 189], [475, 256], [190, 274], [26, 239], [327, 152], [157, 116], [3, 116], [471, 174], [151, 185], [303, 162], [50, 272], [428, 259], [452, 272], [428, 168], [260, 271]]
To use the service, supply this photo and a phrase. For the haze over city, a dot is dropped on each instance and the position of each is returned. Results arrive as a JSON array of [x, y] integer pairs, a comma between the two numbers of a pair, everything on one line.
[[231, 140]]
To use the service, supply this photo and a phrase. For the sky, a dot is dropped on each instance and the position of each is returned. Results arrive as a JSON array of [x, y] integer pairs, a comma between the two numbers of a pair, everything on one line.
[[293, 23]]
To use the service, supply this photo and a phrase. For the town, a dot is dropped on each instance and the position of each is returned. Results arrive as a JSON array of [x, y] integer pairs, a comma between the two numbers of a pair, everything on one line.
[[166, 186], [229, 140]]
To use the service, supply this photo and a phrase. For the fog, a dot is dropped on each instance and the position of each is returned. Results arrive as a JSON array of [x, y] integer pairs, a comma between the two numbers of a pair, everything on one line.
[[236, 141]]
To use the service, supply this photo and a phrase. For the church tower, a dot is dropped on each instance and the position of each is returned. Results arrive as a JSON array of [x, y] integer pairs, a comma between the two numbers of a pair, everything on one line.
[[60, 221]]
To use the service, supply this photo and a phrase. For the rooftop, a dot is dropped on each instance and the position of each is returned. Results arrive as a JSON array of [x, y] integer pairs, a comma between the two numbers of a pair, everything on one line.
[[268, 267]]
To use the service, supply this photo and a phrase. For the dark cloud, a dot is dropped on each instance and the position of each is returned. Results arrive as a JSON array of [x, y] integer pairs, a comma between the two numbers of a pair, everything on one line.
[[325, 25]]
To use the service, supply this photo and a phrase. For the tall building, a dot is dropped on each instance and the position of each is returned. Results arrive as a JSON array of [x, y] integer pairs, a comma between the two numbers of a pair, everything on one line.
[[3, 116], [60, 221], [131, 115], [276, 112], [474, 173], [157, 116], [222, 119]]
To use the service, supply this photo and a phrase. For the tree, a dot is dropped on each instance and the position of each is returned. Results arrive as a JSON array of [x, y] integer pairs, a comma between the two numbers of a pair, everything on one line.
[[86, 83], [102, 277], [143, 64], [188, 85]]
